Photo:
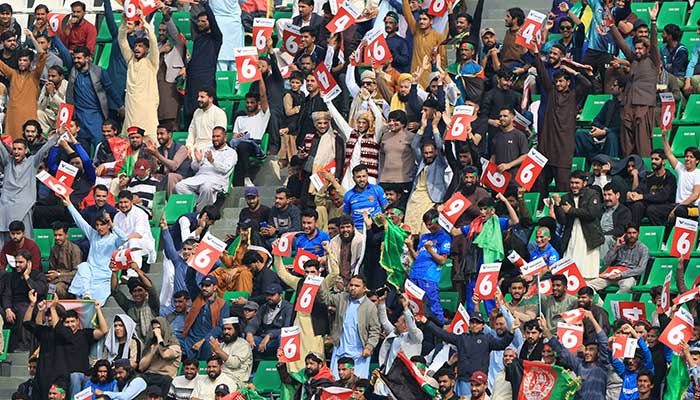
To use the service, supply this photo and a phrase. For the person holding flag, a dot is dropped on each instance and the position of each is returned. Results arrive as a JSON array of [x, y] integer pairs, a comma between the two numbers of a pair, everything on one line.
[[402, 336]]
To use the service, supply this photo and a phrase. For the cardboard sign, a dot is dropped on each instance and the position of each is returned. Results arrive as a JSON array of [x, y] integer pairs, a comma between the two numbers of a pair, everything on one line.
[[679, 329], [496, 181], [336, 393], [305, 300], [534, 267], [461, 123], [262, 31], [329, 87], [290, 343], [574, 316], [319, 181], [683, 238], [83, 394], [122, 259], [623, 347], [687, 296], [54, 184], [283, 246], [487, 281], [11, 261], [460, 322], [377, 49], [531, 32], [131, 10], [438, 8], [208, 251], [66, 173], [516, 259], [569, 269], [632, 310], [346, 16], [668, 111], [55, 23], [65, 115], [666, 293], [291, 39], [612, 271], [452, 210], [301, 258], [415, 297], [286, 72], [247, 64], [530, 169], [570, 336]]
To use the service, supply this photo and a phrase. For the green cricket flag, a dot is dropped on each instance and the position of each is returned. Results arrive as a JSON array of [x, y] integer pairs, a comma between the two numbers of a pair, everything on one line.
[[677, 387], [490, 240], [547, 382], [391, 252]]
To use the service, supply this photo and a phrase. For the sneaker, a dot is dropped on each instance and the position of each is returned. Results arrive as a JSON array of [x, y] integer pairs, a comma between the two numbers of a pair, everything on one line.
[[247, 182], [276, 169]]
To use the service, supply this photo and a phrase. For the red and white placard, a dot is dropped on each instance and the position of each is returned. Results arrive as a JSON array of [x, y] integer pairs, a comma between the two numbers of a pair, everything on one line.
[[438, 8], [460, 126], [666, 293], [544, 287], [65, 115], [623, 347], [83, 394], [687, 296], [66, 173], [530, 169], [122, 259], [55, 23], [283, 246], [286, 72], [612, 271], [534, 267], [452, 210], [679, 329], [668, 111], [496, 181], [683, 238], [208, 251], [346, 16], [247, 64], [54, 184], [262, 31], [531, 32], [329, 87], [305, 299], [319, 181], [631, 310], [290, 343], [570, 336], [148, 6], [291, 39], [415, 297], [516, 259], [377, 48], [568, 268], [301, 258], [460, 322], [487, 281], [574, 316], [131, 8]]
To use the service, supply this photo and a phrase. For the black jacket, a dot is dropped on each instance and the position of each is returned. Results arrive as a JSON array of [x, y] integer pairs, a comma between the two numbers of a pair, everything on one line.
[[622, 217], [589, 210]]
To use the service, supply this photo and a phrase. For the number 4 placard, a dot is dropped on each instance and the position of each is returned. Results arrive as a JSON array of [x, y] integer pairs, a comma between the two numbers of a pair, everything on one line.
[[452, 210], [531, 31], [683, 238], [305, 300], [668, 110], [208, 251], [346, 16], [262, 30], [290, 342], [679, 329], [530, 169], [247, 64], [487, 281], [329, 87]]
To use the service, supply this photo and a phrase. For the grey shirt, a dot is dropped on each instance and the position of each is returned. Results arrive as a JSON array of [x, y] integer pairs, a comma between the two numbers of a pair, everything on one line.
[[635, 258]]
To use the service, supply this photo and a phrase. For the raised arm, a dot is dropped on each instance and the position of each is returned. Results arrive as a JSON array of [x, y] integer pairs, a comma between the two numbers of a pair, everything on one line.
[[620, 42], [288, 279], [343, 127], [153, 52], [408, 15], [124, 47]]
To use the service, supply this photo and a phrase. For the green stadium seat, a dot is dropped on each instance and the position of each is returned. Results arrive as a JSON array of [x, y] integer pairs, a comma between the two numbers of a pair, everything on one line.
[[657, 141], [591, 108], [692, 23], [264, 144], [158, 207], [692, 271], [103, 35], [182, 21], [672, 12], [686, 136], [202, 368], [75, 233], [104, 56], [177, 205], [225, 85], [578, 164], [610, 297], [235, 295], [532, 199], [44, 239], [267, 379], [691, 114], [227, 106], [180, 137], [6, 337], [651, 236], [690, 40], [446, 276], [449, 301], [657, 273], [642, 11]]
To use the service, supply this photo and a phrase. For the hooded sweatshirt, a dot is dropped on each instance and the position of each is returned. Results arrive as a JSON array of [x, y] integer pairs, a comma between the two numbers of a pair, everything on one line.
[[131, 349], [164, 359]]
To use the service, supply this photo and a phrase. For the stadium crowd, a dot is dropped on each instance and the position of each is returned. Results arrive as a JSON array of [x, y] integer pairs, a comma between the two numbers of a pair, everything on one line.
[[462, 215]]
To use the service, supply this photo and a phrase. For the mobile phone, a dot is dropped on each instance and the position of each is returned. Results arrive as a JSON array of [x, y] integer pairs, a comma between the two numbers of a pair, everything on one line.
[[381, 291]]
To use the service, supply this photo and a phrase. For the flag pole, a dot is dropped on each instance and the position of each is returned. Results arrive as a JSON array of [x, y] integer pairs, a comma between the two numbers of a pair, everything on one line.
[[539, 295]]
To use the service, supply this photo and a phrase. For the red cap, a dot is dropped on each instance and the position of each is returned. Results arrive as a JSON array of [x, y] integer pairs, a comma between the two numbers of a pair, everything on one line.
[[141, 166], [134, 130], [479, 377]]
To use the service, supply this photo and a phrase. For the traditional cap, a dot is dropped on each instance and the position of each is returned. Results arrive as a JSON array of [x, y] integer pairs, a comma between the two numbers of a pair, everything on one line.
[[132, 130], [368, 75], [230, 320]]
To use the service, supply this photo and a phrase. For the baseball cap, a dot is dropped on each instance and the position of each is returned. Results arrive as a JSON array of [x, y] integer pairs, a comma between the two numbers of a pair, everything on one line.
[[208, 280], [251, 305], [476, 317], [251, 191], [221, 388], [486, 30], [141, 166], [601, 158], [479, 377], [132, 130], [273, 289]]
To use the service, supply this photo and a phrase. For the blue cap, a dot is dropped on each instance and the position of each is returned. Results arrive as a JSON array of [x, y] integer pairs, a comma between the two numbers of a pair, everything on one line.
[[208, 280], [251, 191], [273, 289]]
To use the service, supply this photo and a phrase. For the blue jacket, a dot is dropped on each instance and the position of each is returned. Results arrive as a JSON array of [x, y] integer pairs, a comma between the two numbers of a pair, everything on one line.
[[629, 378]]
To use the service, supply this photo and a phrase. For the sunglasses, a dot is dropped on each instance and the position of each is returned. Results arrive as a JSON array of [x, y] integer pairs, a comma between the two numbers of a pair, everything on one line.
[[565, 28], [368, 83]]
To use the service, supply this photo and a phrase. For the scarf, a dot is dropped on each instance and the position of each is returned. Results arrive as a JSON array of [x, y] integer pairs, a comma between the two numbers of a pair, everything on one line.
[[197, 306], [490, 240], [112, 343]]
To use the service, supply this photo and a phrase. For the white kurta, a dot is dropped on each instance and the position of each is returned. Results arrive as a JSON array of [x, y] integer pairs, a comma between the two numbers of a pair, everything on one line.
[[136, 221], [202, 125], [228, 17]]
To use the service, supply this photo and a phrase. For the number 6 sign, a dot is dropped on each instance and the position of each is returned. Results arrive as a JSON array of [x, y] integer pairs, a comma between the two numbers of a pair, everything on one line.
[[683, 238], [291, 39], [679, 329], [570, 336], [247, 64], [305, 299], [668, 110], [531, 31], [377, 48], [569, 269], [55, 23], [283, 246], [290, 342], [438, 8], [452, 210], [497, 181], [460, 126], [415, 297], [460, 322], [301, 258], [530, 169], [262, 30], [487, 281], [208, 251]]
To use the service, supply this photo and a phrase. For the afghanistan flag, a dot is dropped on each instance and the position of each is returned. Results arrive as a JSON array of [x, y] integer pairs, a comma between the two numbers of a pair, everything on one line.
[[85, 309], [406, 382], [547, 382], [490, 240], [336, 393], [677, 388], [392, 249]]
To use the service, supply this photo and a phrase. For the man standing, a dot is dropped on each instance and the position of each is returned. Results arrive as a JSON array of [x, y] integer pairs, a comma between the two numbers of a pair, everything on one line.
[[145, 306], [263, 332], [430, 182], [640, 92], [425, 39], [347, 248], [558, 302], [141, 81], [50, 98], [398, 46], [284, 217], [585, 300], [79, 32], [398, 164], [508, 145], [63, 260], [627, 252], [206, 314], [364, 197], [313, 238], [173, 165], [207, 117]]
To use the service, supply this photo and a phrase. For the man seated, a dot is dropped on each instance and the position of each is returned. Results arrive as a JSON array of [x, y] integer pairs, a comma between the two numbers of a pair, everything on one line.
[[143, 185], [145, 305], [111, 149], [628, 252], [603, 138], [135, 223], [212, 167], [176, 318], [207, 117], [263, 332], [63, 261], [255, 211], [173, 164], [51, 96], [248, 131], [654, 193], [182, 385], [234, 351], [615, 218], [284, 217], [18, 241], [542, 247], [207, 385]]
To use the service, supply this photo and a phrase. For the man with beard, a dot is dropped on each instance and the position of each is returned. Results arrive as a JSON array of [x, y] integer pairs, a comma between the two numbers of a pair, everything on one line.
[[16, 299], [523, 312], [79, 343], [346, 373], [604, 136], [79, 32], [347, 250], [363, 198], [317, 375], [206, 314], [534, 341], [51, 96], [508, 146], [398, 46], [425, 39], [467, 73], [500, 97], [629, 253], [255, 211], [558, 302], [172, 162], [430, 182], [585, 301], [263, 332], [64, 258], [182, 386], [312, 103], [660, 353], [135, 223], [593, 366], [205, 386], [105, 158], [402, 336], [573, 33], [309, 46], [502, 389], [33, 134], [19, 241], [172, 51], [398, 158], [446, 384], [234, 351], [102, 377], [129, 384], [274, 91], [201, 69], [207, 117], [212, 166], [248, 131], [319, 148], [144, 306], [161, 357], [654, 196]]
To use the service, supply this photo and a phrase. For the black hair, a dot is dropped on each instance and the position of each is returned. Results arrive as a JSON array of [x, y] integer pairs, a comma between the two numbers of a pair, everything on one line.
[[182, 293], [656, 291], [98, 364], [358, 168], [532, 324], [24, 253], [16, 226], [57, 69], [84, 50], [430, 215], [212, 213], [283, 190], [34, 123], [125, 194], [78, 4], [25, 53], [251, 256], [310, 213], [660, 153], [216, 358], [346, 360], [59, 226], [41, 7], [694, 151], [190, 361], [345, 220], [208, 90], [400, 116], [674, 31], [517, 14], [144, 41], [611, 186], [313, 31], [586, 291]]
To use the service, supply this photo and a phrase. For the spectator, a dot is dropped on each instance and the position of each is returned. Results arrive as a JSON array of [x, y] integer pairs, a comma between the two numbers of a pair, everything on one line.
[[101, 205], [628, 252], [193, 225], [688, 188], [29, 387], [263, 332], [145, 305], [425, 39], [18, 242], [602, 46], [206, 385], [615, 218], [161, 358], [543, 247], [248, 131], [237, 277], [228, 18], [558, 302], [585, 301], [8, 23], [407, 338], [172, 162], [174, 265], [511, 54], [207, 117], [655, 193], [134, 222], [516, 306], [256, 211], [430, 182], [79, 32], [170, 67], [629, 368], [181, 307], [64, 258], [122, 342], [129, 384], [398, 157], [573, 33], [316, 375], [284, 217], [604, 136], [307, 16], [674, 55], [312, 103], [398, 46], [143, 186], [364, 197], [309, 46], [213, 166], [182, 385], [508, 145], [234, 351], [346, 373], [50, 98], [33, 134], [313, 238], [534, 341], [101, 377], [198, 328], [349, 242], [79, 345]]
